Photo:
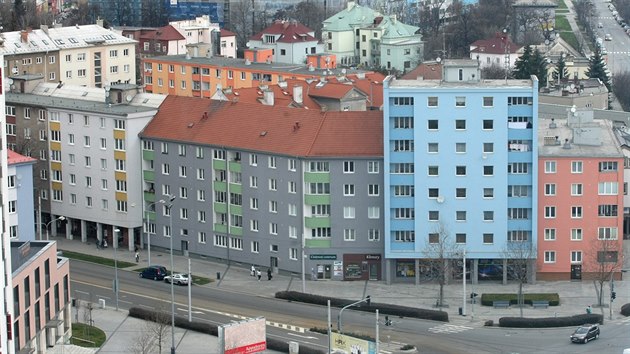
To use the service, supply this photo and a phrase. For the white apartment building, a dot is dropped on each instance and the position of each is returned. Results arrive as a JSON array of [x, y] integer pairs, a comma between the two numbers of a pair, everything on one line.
[[200, 30]]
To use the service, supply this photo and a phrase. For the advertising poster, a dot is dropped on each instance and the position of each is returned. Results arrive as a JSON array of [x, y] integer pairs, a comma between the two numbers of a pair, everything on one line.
[[343, 344], [338, 269], [243, 337]]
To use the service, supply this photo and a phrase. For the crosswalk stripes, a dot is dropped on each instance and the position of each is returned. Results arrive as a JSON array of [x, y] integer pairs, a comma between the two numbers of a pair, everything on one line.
[[448, 328]]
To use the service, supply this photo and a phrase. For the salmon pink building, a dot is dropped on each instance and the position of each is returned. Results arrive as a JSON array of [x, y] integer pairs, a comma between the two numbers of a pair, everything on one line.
[[580, 198]]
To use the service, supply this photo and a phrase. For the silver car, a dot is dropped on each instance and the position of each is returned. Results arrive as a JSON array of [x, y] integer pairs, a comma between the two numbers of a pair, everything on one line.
[[178, 279]]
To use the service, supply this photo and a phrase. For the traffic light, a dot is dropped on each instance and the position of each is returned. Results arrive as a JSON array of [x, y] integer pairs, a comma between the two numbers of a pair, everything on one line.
[[388, 322], [473, 295], [368, 299], [613, 295]]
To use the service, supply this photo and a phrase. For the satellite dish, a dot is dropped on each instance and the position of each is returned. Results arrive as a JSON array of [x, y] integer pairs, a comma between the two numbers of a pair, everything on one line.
[[438, 59], [573, 109], [9, 81], [440, 199], [129, 98]]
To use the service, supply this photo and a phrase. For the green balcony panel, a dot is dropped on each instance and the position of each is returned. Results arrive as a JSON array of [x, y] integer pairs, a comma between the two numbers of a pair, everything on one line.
[[151, 215], [235, 166], [315, 222], [148, 155], [220, 228], [316, 177], [318, 242], [148, 175], [237, 231], [218, 164], [316, 199], [236, 188], [236, 209], [149, 196], [220, 207], [220, 186]]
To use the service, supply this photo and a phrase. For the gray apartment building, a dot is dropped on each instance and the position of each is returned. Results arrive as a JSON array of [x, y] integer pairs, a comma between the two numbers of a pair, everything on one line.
[[266, 185]]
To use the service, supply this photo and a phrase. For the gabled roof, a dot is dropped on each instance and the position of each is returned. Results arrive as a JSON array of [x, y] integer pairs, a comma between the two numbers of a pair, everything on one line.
[[494, 45], [393, 28], [429, 70], [371, 84], [166, 33], [272, 129], [290, 32], [38, 41], [13, 158], [85, 36]]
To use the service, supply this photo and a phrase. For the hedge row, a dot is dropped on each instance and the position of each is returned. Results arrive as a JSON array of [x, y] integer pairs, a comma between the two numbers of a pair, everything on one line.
[[213, 330], [625, 310], [385, 309], [575, 320], [553, 298]]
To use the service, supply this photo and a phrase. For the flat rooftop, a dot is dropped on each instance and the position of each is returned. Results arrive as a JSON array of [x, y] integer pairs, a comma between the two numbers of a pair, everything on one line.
[[74, 104], [514, 84], [599, 130]]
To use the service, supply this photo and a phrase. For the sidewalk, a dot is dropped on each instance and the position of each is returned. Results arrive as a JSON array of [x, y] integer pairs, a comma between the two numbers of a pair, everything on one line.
[[574, 296]]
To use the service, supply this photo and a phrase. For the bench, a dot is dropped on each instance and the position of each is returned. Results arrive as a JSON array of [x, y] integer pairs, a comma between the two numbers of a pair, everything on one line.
[[501, 304], [540, 304]]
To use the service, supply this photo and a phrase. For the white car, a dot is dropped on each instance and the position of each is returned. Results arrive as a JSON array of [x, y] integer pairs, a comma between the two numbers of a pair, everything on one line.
[[178, 278]]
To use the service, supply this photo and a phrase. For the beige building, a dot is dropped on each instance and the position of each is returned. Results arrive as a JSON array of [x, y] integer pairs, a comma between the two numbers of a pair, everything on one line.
[[87, 55], [589, 93]]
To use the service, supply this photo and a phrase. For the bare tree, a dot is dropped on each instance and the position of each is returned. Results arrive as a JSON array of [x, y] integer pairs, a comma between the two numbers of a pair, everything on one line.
[[520, 256], [620, 88], [310, 14], [431, 16], [158, 327], [603, 262], [154, 13], [144, 341], [439, 251], [494, 71], [241, 21]]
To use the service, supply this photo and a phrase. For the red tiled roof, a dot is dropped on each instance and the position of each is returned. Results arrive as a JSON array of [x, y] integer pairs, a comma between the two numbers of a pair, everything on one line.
[[226, 33], [280, 130], [289, 32], [15, 158], [329, 90], [426, 70], [166, 33], [372, 86], [282, 96], [495, 45]]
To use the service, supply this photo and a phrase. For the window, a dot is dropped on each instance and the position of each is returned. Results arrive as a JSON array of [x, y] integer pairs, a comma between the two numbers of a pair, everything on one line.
[[608, 166], [374, 235], [432, 124], [518, 191], [404, 213], [348, 189], [292, 164], [183, 171], [88, 161], [348, 212], [488, 124], [432, 101], [488, 148], [166, 169], [488, 215], [576, 234], [273, 184], [349, 234], [273, 228], [403, 122], [607, 256], [433, 170], [253, 203], [374, 212], [373, 166], [373, 190], [202, 237], [518, 213], [550, 212], [576, 212], [608, 188], [550, 234], [403, 101], [348, 167], [253, 181], [293, 254], [292, 187], [273, 206], [488, 101], [201, 174], [576, 189], [432, 148], [550, 256], [488, 170], [550, 189], [460, 170], [576, 166], [434, 215], [434, 193], [576, 256], [460, 101], [460, 148], [607, 233], [607, 210], [518, 168], [253, 160], [550, 167], [460, 215]]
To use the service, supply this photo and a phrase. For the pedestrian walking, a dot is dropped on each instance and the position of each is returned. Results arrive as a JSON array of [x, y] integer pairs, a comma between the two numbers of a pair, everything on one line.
[[258, 274], [253, 271], [589, 309], [269, 276], [137, 257]]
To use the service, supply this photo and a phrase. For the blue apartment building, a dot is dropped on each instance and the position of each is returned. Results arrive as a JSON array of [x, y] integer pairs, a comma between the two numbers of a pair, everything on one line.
[[460, 168]]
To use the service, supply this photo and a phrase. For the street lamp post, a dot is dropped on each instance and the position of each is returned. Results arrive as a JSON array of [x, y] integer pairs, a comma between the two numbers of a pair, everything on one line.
[[48, 224], [146, 215], [170, 226], [367, 300], [115, 245]]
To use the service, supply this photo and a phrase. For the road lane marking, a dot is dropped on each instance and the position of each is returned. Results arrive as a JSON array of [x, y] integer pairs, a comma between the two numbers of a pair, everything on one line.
[[448, 328], [305, 337]]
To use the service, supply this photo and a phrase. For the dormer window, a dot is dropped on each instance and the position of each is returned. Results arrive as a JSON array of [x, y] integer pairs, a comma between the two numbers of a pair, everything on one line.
[[270, 39]]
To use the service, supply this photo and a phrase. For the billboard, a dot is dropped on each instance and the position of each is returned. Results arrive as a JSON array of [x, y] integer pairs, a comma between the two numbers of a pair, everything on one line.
[[342, 344], [244, 337]]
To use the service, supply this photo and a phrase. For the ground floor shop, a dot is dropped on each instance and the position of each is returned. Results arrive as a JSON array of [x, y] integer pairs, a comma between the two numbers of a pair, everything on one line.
[[345, 266]]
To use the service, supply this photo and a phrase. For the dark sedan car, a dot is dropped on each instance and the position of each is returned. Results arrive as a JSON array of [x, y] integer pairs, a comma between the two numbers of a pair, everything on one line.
[[585, 333]]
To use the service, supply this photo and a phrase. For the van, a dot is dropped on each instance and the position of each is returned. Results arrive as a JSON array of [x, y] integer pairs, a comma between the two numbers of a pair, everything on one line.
[[154, 272]]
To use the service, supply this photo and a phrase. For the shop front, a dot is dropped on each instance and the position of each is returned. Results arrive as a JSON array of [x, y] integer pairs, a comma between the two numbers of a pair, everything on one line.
[[361, 267], [323, 267]]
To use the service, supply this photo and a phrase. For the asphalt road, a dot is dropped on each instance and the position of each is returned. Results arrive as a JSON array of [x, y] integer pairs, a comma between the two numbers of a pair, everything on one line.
[[92, 282], [619, 47]]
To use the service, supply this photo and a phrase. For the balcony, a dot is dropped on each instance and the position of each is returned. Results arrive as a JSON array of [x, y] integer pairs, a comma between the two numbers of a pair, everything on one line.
[[316, 199], [317, 221], [148, 175]]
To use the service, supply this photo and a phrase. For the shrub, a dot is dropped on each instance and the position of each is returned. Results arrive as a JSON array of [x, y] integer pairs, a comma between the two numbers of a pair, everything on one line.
[[489, 323], [553, 298], [575, 320], [385, 309], [625, 310], [407, 347]]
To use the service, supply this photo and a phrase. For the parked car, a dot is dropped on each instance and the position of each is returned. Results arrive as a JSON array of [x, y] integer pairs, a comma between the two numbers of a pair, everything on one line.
[[600, 25], [154, 272], [608, 37], [178, 279], [585, 333]]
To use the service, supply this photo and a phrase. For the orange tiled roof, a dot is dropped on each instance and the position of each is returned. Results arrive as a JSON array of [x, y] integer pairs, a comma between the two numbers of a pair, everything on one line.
[[226, 33], [273, 129], [166, 33], [372, 86], [15, 158], [427, 70]]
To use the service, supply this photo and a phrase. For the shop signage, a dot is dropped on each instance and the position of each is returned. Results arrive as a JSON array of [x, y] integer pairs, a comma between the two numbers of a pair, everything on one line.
[[374, 257], [323, 256]]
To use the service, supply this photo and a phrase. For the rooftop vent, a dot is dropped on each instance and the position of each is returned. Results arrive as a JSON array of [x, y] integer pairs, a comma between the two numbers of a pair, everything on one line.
[[551, 141], [566, 145], [263, 133], [552, 125]]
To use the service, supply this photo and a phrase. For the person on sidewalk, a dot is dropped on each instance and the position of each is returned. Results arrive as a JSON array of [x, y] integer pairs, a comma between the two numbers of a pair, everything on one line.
[[258, 274], [137, 257], [269, 276], [589, 309], [253, 271]]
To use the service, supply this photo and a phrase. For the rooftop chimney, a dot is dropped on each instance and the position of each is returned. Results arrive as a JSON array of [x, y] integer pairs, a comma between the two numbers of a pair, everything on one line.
[[24, 36], [268, 98], [99, 22], [351, 4]]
